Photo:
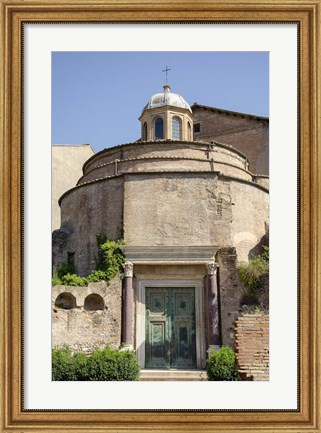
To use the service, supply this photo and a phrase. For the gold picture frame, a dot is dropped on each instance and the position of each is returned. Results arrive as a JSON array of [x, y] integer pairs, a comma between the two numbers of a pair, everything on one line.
[[307, 15]]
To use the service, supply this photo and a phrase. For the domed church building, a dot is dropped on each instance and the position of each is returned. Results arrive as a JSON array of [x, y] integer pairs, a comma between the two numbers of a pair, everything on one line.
[[188, 212]]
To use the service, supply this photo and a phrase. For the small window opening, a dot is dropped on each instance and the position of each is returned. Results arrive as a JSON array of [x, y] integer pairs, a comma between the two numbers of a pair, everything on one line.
[[197, 127], [144, 137], [189, 132], [159, 129]]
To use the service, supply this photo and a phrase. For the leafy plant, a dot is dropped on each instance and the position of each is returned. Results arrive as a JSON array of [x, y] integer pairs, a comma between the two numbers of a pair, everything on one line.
[[108, 264], [110, 257], [221, 365], [251, 273], [73, 280]]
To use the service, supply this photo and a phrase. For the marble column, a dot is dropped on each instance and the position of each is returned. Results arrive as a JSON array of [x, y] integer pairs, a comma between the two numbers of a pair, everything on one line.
[[128, 307], [213, 307]]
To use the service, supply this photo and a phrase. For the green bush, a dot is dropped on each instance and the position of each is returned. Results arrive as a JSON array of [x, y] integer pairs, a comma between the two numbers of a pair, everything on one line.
[[80, 361], [63, 366], [73, 280], [221, 365], [251, 273], [96, 276], [106, 364], [109, 364]]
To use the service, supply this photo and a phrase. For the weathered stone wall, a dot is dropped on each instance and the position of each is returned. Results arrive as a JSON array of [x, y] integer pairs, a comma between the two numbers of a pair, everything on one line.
[[85, 329], [249, 134], [230, 292], [194, 209], [250, 217], [66, 166], [176, 209], [166, 155], [87, 212], [252, 346]]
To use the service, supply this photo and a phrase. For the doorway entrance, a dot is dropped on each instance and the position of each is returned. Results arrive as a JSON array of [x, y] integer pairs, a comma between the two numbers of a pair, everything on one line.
[[170, 328]]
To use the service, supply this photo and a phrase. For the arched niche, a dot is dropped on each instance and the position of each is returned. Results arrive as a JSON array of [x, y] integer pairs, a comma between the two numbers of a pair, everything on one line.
[[66, 301], [94, 302]]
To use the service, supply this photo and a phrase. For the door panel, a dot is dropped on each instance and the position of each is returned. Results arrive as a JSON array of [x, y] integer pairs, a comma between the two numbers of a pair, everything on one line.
[[184, 328], [170, 328], [157, 328]]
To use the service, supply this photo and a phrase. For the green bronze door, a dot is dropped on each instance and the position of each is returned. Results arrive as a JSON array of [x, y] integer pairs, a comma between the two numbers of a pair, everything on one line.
[[170, 328]]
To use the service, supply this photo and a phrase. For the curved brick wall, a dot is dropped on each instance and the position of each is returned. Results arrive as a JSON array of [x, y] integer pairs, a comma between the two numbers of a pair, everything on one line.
[[159, 153], [163, 193]]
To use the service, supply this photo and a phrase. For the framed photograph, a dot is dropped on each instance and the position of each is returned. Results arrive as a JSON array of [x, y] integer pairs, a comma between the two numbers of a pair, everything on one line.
[[194, 190]]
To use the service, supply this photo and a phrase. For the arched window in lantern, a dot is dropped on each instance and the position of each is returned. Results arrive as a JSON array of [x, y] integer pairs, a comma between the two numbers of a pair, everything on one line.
[[159, 128], [176, 128]]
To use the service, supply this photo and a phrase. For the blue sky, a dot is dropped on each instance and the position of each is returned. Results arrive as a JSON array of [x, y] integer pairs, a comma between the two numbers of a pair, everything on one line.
[[97, 97]]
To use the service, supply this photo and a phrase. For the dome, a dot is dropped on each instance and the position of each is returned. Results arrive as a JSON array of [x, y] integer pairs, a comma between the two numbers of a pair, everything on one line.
[[167, 98]]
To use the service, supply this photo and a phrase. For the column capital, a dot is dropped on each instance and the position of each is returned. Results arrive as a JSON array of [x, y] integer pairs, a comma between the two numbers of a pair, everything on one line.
[[128, 268], [211, 268]]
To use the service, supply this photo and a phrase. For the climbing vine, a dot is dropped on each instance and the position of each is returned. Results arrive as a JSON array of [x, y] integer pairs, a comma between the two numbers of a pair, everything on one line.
[[108, 263]]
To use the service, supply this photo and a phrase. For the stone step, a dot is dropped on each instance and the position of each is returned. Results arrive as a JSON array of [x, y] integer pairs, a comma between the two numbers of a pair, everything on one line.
[[173, 375]]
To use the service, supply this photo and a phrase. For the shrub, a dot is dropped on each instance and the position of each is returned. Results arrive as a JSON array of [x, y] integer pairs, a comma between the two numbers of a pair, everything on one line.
[[221, 365], [80, 361], [109, 364], [104, 365], [251, 273], [73, 280], [63, 367], [96, 276]]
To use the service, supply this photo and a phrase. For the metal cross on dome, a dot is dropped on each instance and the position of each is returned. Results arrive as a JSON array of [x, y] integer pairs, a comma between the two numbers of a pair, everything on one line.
[[166, 70]]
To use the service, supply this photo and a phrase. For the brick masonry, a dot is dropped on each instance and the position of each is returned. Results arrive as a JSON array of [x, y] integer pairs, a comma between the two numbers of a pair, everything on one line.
[[252, 346], [249, 134]]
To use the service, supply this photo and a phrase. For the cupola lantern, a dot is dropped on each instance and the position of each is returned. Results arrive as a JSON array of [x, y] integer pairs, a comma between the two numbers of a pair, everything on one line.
[[167, 116]]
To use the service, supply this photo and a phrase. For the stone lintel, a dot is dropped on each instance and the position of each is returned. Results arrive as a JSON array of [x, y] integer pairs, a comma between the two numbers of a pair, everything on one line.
[[171, 255]]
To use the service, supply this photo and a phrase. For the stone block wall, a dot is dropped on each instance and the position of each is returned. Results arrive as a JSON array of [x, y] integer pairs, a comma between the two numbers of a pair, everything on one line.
[[231, 291], [252, 346], [86, 318]]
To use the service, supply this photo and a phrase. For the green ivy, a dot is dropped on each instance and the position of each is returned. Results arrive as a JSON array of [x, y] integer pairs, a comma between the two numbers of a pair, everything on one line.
[[108, 265], [110, 256]]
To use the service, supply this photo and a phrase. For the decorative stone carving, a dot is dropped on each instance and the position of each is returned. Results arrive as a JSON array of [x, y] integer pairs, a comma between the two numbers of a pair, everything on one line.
[[128, 268], [211, 268]]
